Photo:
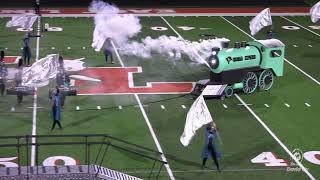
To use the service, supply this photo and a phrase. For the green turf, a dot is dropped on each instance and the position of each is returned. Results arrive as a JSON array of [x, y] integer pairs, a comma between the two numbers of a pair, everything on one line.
[[295, 125], [242, 136]]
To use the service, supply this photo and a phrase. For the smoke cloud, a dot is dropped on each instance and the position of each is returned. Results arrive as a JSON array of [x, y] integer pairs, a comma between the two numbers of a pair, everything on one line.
[[122, 27]]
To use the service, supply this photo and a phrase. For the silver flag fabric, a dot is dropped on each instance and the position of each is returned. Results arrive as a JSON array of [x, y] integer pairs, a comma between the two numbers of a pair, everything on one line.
[[40, 73], [24, 20], [262, 20]]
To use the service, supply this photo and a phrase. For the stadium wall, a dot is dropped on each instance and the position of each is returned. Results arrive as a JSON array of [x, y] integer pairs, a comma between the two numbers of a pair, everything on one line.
[[155, 3]]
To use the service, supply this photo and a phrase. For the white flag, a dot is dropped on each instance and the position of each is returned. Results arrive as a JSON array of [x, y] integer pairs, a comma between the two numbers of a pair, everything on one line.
[[98, 39], [24, 20], [39, 74], [315, 12], [261, 20], [197, 116]]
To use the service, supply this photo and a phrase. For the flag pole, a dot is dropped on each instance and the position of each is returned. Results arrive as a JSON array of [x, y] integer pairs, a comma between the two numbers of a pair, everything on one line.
[[219, 138]]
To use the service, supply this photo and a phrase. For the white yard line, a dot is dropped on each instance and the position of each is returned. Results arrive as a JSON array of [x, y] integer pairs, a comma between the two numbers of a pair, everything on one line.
[[246, 104], [301, 26], [304, 169], [306, 74], [35, 97], [153, 134], [190, 46]]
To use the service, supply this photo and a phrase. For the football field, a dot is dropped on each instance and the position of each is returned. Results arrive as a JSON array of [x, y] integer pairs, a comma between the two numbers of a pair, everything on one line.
[[145, 101]]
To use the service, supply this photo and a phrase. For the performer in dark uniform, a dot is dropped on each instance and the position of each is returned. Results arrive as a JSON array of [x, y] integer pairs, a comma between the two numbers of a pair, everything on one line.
[[18, 80], [37, 7], [270, 34], [3, 73], [26, 52], [2, 56], [62, 79], [210, 149], [108, 50]]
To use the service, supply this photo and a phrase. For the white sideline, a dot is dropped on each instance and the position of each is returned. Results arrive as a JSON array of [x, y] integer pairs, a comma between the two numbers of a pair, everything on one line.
[[306, 74], [275, 137], [260, 121], [300, 26], [153, 134], [35, 97], [211, 170]]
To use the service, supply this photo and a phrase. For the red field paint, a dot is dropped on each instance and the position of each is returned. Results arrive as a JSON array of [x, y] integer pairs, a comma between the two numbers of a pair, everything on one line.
[[244, 10], [160, 11], [119, 80], [11, 59]]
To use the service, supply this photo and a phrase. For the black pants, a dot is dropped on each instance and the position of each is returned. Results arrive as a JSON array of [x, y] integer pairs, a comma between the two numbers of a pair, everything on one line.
[[55, 121], [26, 55], [54, 124], [214, 157], [19, 98], [2, 88], [108, 53]]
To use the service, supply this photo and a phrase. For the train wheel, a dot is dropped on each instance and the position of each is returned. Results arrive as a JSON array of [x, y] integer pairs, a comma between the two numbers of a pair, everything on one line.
[[266, 80], [250, 82], [228, 91]]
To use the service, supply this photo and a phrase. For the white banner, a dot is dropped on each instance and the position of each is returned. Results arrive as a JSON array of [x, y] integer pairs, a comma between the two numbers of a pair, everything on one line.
[[197, 116], [315, 12], [261, 20], [98, 39], [39, 74], [24, 20]]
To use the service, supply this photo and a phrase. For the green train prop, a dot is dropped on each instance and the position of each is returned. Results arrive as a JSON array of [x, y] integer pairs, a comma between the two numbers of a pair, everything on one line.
[[246, 67]]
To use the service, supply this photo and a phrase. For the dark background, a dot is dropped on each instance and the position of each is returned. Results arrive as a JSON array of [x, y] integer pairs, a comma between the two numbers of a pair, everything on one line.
[[160, 3]]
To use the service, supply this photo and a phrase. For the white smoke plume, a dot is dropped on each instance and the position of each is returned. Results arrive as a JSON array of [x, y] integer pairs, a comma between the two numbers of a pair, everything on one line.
[[121, 27]]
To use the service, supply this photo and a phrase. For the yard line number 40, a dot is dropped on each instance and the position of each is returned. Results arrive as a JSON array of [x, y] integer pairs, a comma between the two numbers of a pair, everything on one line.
[[271, 159]]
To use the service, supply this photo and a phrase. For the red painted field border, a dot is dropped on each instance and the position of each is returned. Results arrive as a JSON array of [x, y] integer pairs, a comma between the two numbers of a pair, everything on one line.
[[162, 10]]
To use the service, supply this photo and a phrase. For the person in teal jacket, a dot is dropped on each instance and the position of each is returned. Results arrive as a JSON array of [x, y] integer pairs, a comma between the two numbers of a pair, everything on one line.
[[56, 109], [210, 148]]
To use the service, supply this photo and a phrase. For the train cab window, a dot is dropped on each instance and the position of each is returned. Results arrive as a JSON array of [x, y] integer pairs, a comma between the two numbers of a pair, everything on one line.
[[275, 53]]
